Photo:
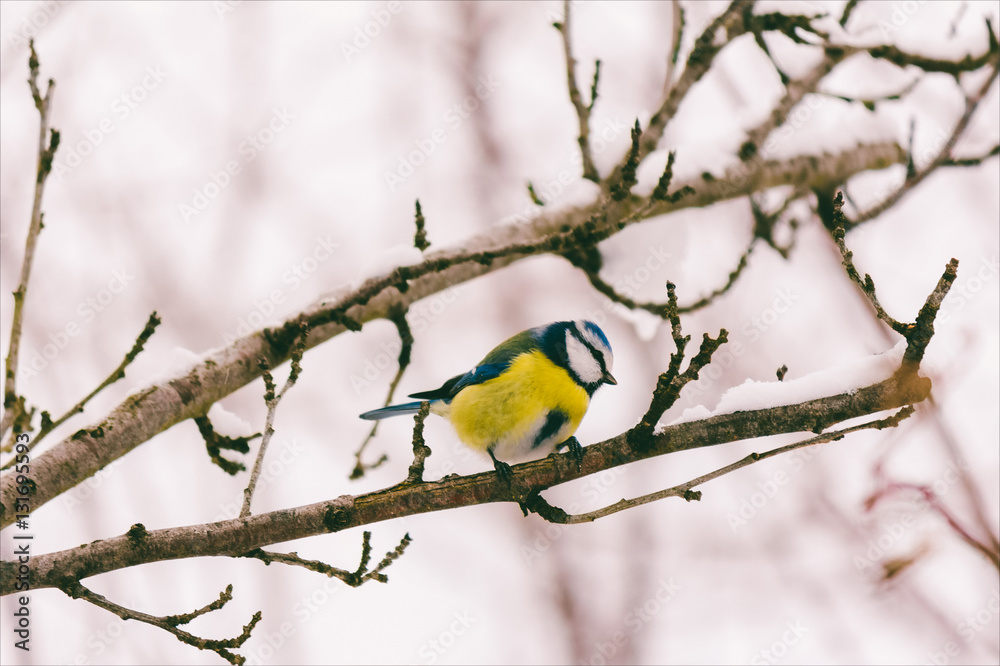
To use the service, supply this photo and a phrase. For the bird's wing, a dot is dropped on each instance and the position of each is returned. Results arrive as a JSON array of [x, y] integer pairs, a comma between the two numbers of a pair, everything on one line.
[[489, 368], [451, 387]]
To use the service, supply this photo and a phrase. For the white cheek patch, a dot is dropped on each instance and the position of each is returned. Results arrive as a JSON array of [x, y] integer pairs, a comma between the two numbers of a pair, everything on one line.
[[581, 360], [596, 342]]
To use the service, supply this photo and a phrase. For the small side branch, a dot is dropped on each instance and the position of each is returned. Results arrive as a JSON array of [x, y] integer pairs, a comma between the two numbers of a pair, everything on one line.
[[271, 399], [918, 334], [421, 451], [671, 381], [420, 237], [13, 407], [582, 110], [48, 425], [353, 578], [397, 315], [169, 623], [556, 515], [943, 158]]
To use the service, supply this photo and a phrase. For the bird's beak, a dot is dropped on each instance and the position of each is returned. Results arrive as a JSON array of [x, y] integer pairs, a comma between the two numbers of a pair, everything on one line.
[[608, 379]]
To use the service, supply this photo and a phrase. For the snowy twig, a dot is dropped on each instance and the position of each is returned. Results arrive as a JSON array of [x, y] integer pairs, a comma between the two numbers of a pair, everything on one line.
[[671, 381], [943, 157], [677, 33], [161, 405]]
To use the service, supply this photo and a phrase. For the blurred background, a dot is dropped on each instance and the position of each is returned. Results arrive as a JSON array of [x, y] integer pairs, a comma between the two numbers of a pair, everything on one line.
[[227, 163]]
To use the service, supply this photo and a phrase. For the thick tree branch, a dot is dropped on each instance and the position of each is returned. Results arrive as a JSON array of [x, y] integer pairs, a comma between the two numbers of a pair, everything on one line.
[[239, 536], [221, 372], [553, 514]]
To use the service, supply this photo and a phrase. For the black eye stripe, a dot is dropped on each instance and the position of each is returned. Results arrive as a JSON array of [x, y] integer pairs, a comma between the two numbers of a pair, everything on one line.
[[593, 350]]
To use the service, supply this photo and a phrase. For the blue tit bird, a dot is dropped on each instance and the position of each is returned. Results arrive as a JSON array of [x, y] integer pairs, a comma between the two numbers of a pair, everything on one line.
[[527, 397]]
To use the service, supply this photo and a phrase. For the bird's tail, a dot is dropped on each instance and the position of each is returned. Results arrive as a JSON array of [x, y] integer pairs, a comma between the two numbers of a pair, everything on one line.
[[392, 410]]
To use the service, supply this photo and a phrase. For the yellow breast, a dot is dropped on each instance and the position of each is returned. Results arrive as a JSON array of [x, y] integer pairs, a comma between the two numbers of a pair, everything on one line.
[[508, 412]]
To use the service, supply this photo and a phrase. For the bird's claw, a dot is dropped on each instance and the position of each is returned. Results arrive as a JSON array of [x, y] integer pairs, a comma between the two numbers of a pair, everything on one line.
[[575, 450]]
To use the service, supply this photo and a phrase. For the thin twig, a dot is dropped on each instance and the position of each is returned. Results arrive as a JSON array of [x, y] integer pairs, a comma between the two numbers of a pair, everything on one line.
[[685, 490], [672, 380], [943, 157], [421, 451], [352, 578], [169, 623], [582, 110], [677, 32], [46, 151], [893, 487], [271, 399], [397, 315], [867, 285], [49, 425]]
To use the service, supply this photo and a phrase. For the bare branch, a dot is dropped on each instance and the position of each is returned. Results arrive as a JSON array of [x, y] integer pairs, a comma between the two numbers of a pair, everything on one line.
[[241, 535], [943, 157], [397, 315], [272, 399], [48, 425], [420, 449], [582, 110], [353, 578], [553, 514], [169, 623], [420, 238], [13, 407], [220, 372]]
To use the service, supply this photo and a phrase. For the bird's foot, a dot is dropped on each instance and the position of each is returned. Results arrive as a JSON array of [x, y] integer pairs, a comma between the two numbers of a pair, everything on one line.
[[502, 468], [575, 449]]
